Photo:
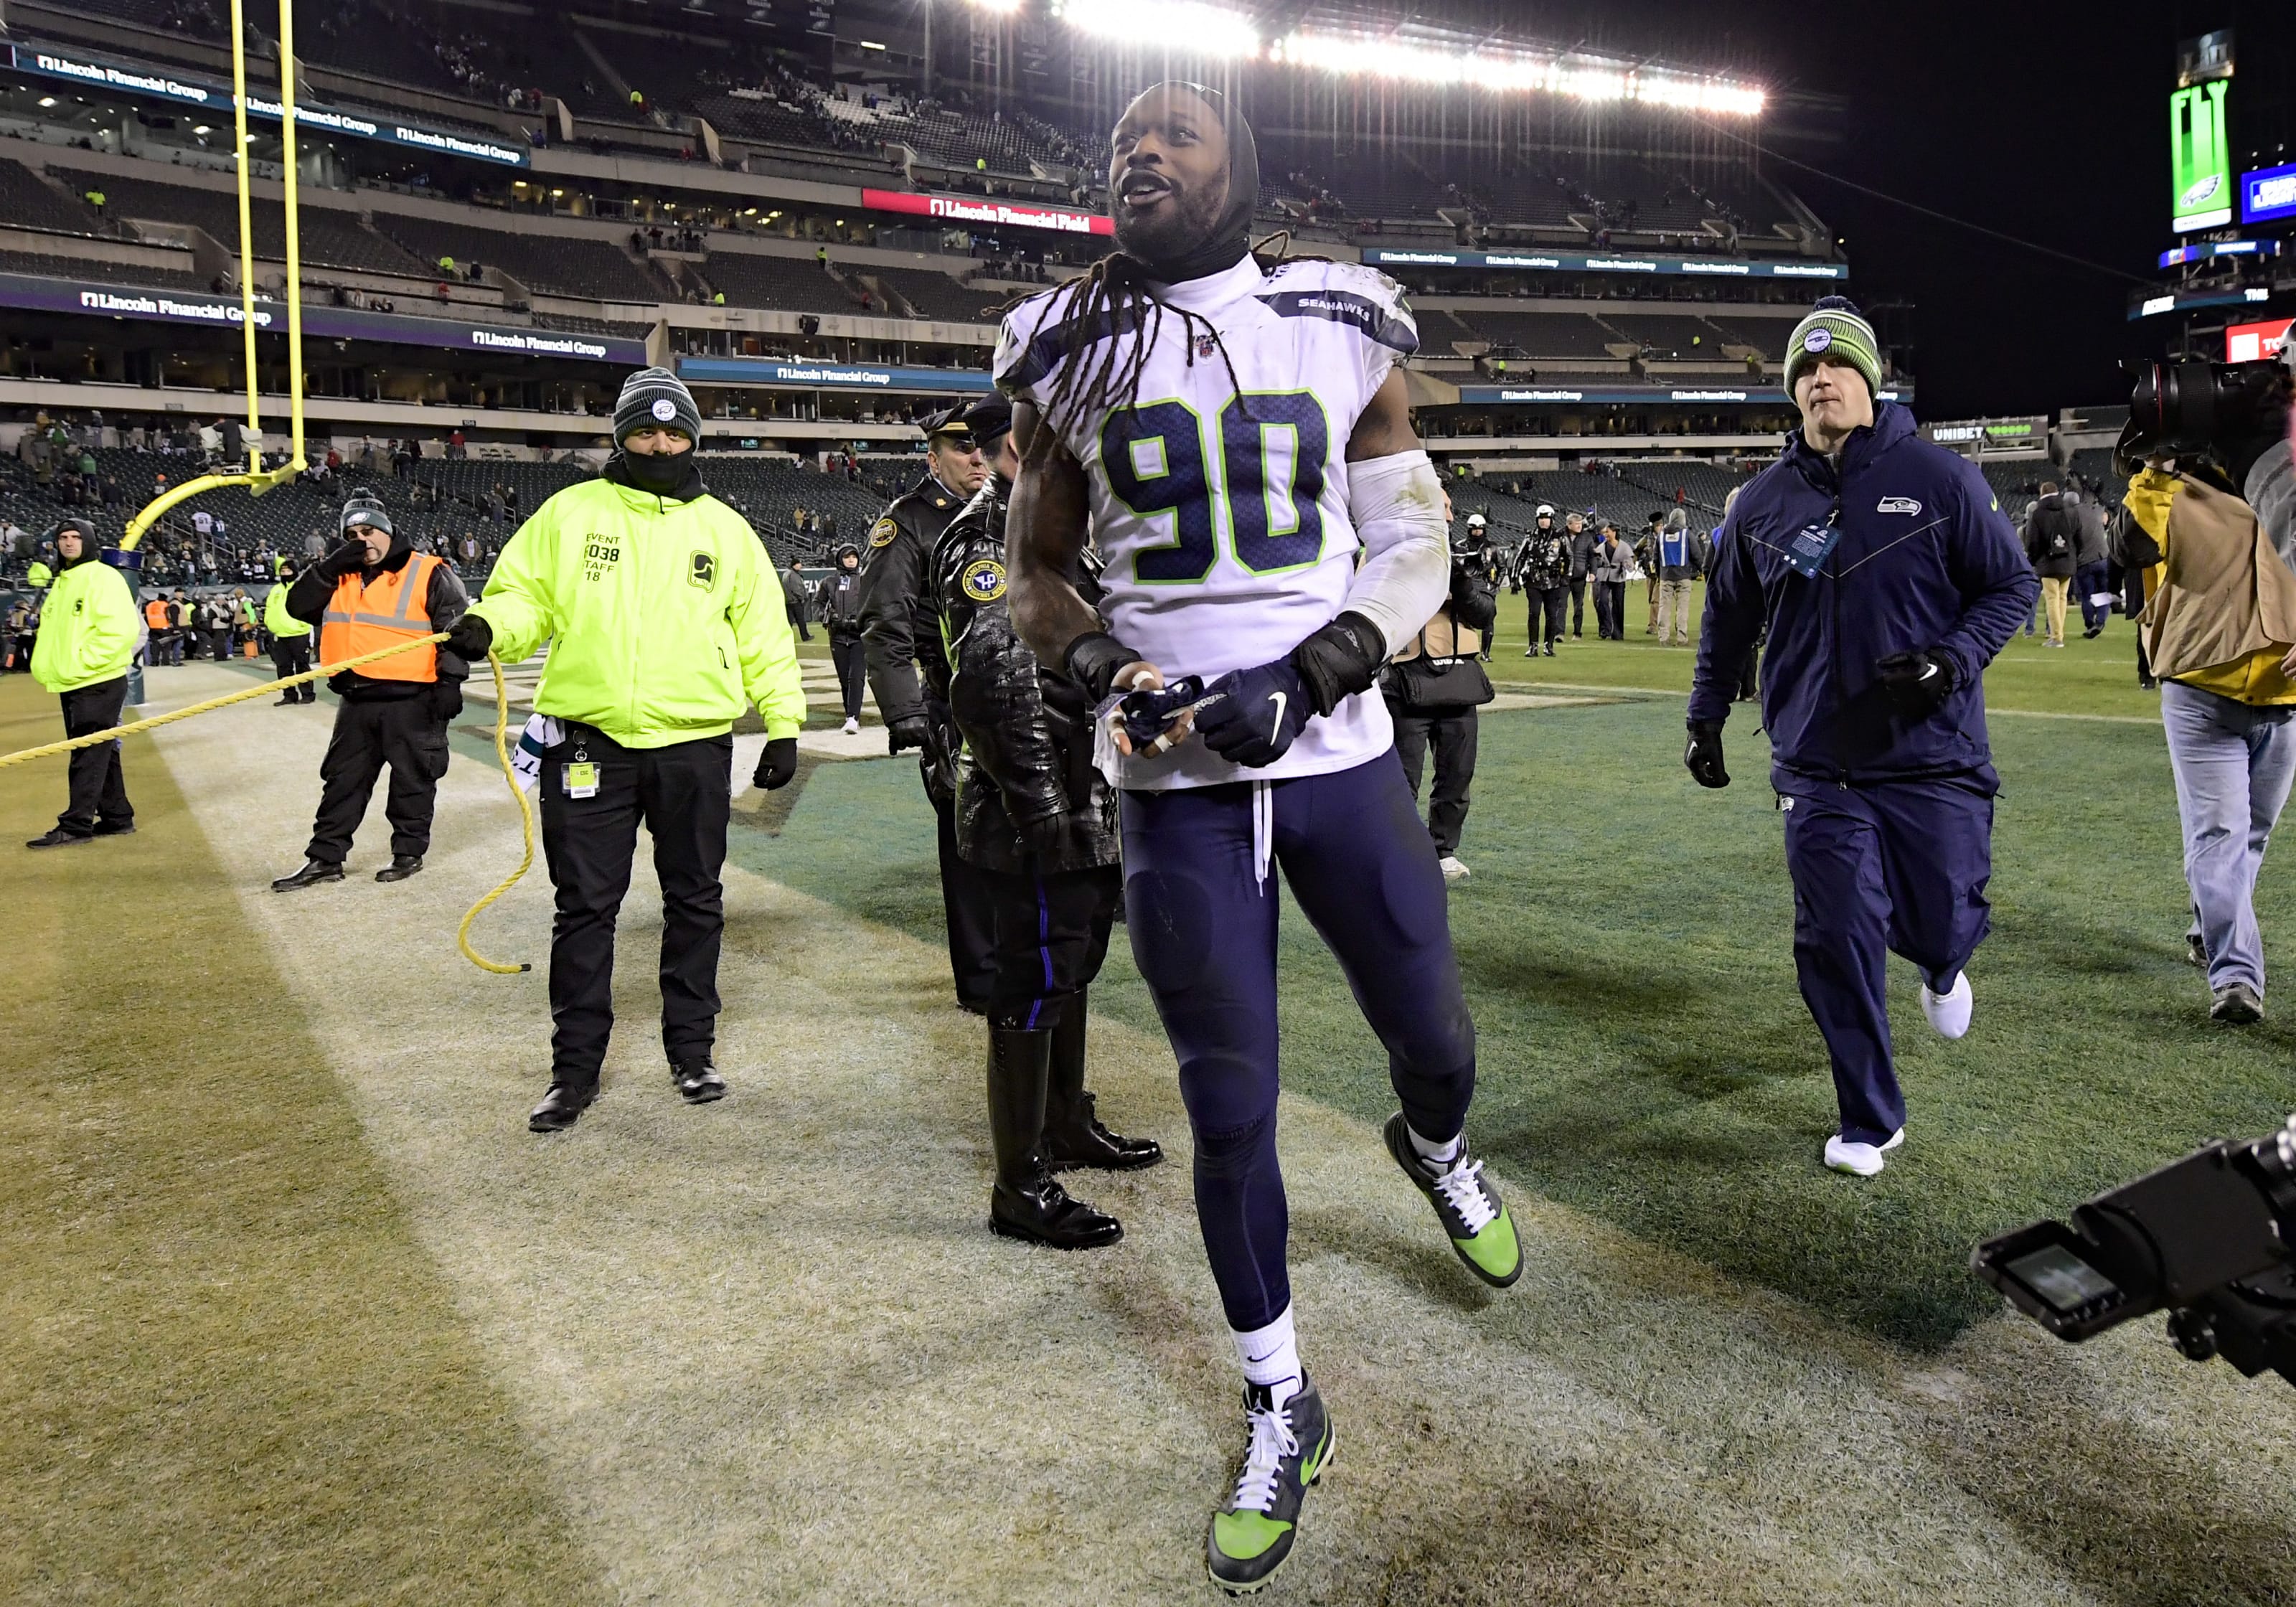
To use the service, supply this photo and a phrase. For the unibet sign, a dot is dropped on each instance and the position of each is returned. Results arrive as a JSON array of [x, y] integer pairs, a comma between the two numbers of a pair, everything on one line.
[[2200, 157]]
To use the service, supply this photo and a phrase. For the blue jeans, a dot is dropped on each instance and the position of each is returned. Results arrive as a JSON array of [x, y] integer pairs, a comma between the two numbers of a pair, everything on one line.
[[2233, 762]]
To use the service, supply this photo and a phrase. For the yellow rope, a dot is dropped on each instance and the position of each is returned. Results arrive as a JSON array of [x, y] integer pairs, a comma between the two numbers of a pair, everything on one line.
[[263, 689], [526, 822]]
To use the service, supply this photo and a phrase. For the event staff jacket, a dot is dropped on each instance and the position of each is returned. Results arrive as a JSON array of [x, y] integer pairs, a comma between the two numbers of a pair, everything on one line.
[[665, 619], [900, 627], [316, 595], [1028, 736], [277, 620], [89, 627], [1922, 559]]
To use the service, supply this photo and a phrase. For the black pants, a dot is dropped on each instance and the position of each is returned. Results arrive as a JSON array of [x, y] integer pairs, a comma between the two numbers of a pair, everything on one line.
[[684, 794], [852, 671], [1578, 608], [969, 906], [798, 624], [401, 732], [98, 793], [1050, 935], [292, 656], [219, 643], [1611, 609], [1550, 601], [1451, 733]]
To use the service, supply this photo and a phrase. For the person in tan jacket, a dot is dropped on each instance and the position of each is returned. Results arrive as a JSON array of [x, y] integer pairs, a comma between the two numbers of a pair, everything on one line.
[[2220, 631]]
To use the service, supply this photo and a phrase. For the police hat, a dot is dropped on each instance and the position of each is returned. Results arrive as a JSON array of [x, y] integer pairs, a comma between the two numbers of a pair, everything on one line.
[[989, 419], [950, 421]]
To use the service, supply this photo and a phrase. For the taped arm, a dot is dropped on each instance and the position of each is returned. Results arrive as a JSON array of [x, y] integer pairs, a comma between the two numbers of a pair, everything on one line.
[[516, 602], [765, 645], [1396, 501]]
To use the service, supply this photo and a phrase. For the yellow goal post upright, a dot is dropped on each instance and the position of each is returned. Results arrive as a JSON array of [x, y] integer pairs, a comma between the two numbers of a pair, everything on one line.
[[254, 476]]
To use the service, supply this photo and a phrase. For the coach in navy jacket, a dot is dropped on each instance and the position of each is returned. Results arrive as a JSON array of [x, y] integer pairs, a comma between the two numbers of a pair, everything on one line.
[[1889, 578]]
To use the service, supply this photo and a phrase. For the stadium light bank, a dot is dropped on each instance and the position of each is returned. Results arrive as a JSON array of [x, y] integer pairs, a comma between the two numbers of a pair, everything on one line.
[[1218, 32]]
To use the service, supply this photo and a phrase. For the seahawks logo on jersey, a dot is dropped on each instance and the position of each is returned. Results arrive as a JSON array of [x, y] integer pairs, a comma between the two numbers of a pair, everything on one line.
[[983, 580], [881, 533]]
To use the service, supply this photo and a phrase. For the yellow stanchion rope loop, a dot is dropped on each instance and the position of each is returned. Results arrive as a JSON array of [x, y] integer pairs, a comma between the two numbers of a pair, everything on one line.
[[264, 689]]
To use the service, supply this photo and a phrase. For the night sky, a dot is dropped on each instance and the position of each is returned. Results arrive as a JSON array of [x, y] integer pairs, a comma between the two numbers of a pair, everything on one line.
[[2046, 121]]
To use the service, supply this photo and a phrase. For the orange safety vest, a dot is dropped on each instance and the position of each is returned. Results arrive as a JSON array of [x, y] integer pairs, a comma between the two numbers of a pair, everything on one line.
[[155, 614], [363, 619]]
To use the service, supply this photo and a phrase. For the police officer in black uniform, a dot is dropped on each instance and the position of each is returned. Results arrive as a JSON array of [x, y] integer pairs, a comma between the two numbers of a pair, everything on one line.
[[900, 632], [1037, 822]]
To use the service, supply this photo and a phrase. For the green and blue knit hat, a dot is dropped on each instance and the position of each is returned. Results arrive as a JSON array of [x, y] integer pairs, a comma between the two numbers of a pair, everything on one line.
[[1836, 328]]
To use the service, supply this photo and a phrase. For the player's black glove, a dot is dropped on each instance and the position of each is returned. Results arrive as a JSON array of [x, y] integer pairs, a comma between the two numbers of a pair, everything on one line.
[[470, 637], [1251, 717], [1339, 660], [777, 765], [1916, 684], [1093, 660], [1703, 757], [911, 732], [348, 559]]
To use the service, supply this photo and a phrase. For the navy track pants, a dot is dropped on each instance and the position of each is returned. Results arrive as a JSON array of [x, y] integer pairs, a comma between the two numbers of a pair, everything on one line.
[[1202, 924], [1884, 867]]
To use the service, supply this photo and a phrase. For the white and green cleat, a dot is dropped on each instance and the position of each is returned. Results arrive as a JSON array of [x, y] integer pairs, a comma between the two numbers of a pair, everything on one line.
[[1290, 1446], [1473, 1215]]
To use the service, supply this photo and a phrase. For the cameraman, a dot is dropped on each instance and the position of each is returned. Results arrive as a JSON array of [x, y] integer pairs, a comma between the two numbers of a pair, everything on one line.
[[2221, 636], [1433, 687]]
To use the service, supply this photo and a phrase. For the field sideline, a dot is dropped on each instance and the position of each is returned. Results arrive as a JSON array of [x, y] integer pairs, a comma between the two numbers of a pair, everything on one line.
[[292, 1308]]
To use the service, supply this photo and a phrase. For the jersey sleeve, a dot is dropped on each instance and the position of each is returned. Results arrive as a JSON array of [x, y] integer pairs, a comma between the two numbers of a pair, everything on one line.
[[1370, 306], [1028, 347]]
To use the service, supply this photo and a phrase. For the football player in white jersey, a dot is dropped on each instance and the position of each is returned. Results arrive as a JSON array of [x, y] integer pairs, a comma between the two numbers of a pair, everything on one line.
[[1234, 438]]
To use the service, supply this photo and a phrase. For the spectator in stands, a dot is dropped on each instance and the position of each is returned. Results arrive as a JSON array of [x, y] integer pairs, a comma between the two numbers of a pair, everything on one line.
[[839, 606], [656, 649], [1874, 702], [2053, 545], [87, 642]]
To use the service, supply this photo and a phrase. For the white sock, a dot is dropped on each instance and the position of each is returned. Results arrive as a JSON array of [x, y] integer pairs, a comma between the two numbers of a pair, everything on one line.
[[1271, 1357], [1438, 1155]]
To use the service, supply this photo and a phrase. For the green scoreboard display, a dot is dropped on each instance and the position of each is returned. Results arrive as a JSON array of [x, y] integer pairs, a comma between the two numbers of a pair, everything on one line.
[[2200, 157]]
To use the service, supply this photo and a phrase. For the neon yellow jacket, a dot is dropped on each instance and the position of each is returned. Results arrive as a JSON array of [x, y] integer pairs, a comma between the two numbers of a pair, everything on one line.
[[277, 620], [664, 618], [89, 626]]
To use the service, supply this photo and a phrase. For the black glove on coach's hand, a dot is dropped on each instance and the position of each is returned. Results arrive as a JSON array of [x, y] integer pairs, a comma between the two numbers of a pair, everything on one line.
[[1703, 757], [1916, 684], [777, 765], [470, 637], [905, 734]]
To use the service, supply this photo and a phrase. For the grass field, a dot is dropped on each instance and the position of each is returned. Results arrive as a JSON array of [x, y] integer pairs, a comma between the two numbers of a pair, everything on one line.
[[294, 1309]]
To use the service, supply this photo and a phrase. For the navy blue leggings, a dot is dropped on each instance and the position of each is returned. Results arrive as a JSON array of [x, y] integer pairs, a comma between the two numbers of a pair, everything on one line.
[[1203, 931]]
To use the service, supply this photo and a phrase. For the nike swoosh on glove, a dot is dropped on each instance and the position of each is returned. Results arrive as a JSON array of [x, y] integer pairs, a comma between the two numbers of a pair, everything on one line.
[[1252, 716], [1916, 684]]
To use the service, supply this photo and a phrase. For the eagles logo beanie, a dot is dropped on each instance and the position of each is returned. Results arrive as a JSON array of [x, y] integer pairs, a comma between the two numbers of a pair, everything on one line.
[[1835, 328], [656, 396]]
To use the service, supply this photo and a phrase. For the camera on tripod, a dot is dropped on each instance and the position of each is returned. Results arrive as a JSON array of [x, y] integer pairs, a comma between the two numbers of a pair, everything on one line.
[[2210, 1239]]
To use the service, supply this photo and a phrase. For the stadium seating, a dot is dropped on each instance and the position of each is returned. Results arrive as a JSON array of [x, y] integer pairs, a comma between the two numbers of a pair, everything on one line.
[[1669, 336], [1765, 335], [193, 19], [329, 238], [935, 295], [29, 202], [790, 284], [556, 265], [90, 267], [1542, 334]]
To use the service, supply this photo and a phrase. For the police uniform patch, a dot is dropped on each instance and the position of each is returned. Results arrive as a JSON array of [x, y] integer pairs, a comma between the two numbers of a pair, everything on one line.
[[702, 571], [983, 580], [881, 533]]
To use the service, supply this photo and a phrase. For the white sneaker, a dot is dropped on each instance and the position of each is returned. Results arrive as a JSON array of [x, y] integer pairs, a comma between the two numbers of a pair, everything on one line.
[[1453, 869], [1948, 1011], [853, 727], [1859, 1160]]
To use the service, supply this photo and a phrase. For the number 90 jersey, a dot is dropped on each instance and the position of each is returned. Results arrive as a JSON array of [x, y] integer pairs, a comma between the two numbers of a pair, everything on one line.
[[1221, 505]]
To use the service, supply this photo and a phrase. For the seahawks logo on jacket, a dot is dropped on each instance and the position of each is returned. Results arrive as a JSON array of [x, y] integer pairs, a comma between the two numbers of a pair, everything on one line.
[[881, 533], [702, 571], [983, 580]]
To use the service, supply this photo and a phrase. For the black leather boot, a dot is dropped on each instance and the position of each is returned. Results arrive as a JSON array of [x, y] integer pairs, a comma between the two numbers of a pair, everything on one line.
[[1027, 1203], [313, 872], [561, 1107], [1074, 1135], [401, 868]]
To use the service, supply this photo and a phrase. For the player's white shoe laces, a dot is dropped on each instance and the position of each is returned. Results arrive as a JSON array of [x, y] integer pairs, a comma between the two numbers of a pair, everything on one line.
[[1272, 1440], [1462, 1187]]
